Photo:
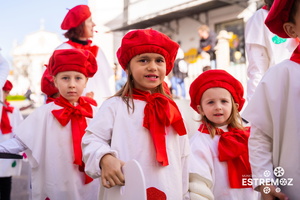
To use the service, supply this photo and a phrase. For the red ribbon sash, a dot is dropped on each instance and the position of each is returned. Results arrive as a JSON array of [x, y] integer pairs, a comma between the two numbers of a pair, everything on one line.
[[233, 149], [159, 113], [77, 115], [5, 122]]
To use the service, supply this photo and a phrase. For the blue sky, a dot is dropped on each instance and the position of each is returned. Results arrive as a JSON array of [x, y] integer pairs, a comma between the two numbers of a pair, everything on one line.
[[19, 18]]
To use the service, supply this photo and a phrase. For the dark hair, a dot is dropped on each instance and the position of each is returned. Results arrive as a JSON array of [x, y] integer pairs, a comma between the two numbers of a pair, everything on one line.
[[269, 3], [294, 11], [75, 33]]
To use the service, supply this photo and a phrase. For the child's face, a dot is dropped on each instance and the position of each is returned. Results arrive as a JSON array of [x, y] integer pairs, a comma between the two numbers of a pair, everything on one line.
[[89, 28], [70, 84], [5, 94], [216, 105], [148, 71]]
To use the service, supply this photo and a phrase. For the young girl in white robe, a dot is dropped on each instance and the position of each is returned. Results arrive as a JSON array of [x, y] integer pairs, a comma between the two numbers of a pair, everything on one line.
[[10, 119], [141, 122], [51, 135], [274, 114], [219, 152]]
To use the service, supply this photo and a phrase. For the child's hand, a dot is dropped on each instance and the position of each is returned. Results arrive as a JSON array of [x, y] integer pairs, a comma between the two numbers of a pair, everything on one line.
[[271, 194], [111, 171]]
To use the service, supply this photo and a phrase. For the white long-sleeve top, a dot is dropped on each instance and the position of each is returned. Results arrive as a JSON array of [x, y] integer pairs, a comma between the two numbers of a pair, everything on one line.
[[114, 130], [49, 147], [11, 167], [275, 126], [209, 176], [263, 48]]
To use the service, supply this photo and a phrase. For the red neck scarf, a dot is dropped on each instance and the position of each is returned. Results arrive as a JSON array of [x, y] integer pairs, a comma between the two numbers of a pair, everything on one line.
[[94, 49], [233, 148], [296, 55], [77, 115], [159, 113], [5, 123]]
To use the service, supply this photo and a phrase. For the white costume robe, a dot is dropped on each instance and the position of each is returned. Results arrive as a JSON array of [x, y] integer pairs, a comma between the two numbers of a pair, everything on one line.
[[275, 134], [264, 49], [114, 130], [103, 82], [50, 154], [11, 167], [4, 70], [209, 176]]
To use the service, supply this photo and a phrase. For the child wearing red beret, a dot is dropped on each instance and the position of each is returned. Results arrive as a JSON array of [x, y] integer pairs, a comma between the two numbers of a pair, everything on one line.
[[274, 114], [219, 152], [141, 121], [79, 28], [51, 135], [10, 119]]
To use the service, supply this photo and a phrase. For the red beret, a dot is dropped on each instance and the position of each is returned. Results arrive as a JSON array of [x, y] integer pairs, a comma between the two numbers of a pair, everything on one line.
[[7, 86], [216, 78], [47, 84], [79, 60], [147, 41], [278, 15], [75, 17]]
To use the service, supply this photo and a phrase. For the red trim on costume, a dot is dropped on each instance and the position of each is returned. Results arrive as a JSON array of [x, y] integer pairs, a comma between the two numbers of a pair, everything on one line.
[[296, 55], [94, 49]]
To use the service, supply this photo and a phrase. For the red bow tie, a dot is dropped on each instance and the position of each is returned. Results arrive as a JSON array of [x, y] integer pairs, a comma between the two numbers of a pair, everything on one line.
[[160, 112], [77, 115], [233, 148]]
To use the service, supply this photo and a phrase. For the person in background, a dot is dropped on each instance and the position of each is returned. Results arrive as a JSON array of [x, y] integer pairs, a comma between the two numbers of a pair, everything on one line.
[[79, 28], [11, 118], [273, 113], [180, 72], [205, 68], [51, 135], [207, 43], [141, 122], [219, 150], [264, 49]]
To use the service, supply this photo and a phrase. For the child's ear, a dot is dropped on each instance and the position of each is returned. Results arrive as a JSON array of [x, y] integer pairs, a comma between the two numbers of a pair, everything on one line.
[[237, 105], [54, 81], [289, 28], [199, 108]]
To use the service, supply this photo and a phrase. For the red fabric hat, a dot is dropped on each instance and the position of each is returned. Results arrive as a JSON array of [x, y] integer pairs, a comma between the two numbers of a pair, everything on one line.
[[147, 41], [216, 78], [79, 60], [47, 84], [7, 86], [75, 17], [278, 15]]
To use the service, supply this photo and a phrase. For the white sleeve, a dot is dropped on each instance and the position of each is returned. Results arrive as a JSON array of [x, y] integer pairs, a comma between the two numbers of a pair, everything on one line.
[[199, 188], [259, 62], [13, 145], [260, 155], [4, 70], [96, 141]]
